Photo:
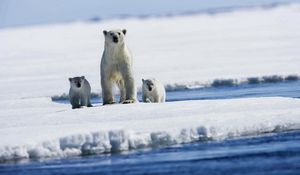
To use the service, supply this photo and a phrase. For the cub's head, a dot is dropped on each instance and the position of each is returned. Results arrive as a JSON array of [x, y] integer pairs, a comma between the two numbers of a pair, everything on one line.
[[114, 36], [148, 85], [77, 82]]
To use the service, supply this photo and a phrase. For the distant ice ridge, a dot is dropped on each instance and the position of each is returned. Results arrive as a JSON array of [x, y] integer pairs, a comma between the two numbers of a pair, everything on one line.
[[208, 11], [116, 128], [215, 83], [234, 82]]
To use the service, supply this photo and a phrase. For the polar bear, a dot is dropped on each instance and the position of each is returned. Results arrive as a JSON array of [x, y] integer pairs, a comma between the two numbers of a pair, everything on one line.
[[80, 92], [116, 68], [153, 91]]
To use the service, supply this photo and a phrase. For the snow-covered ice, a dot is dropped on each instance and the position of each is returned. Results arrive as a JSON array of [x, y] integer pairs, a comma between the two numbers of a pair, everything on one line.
[[40, 128], [186, 51]]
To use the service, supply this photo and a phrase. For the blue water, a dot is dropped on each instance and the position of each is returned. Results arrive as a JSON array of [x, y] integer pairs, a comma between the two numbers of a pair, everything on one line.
[[272, 153], [281, 89]]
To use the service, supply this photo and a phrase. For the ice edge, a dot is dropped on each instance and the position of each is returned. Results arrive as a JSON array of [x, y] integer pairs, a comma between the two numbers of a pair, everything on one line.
[[123, 140]]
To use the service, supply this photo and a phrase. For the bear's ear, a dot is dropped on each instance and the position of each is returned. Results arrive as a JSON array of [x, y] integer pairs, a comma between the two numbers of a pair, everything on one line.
[[104, 32], [82, 77], [70, 79], [143, 80], [124, 31]]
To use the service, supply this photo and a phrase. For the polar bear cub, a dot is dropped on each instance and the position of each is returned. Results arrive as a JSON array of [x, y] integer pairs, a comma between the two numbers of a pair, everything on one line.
[[80, 92], [153, 91], [116, 68]]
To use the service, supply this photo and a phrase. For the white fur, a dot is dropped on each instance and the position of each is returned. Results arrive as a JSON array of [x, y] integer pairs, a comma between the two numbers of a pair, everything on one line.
[[116, 68], [80, 96], [157, 93]]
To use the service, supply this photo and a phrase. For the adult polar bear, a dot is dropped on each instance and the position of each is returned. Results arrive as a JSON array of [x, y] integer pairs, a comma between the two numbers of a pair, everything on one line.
[[116, 68]]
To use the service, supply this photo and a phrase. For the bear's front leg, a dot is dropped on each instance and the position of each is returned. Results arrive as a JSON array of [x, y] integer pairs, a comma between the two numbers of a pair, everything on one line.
[[75, 102], [107, 95], [122, 89], [85, 101], [147, 100], [130, 90]]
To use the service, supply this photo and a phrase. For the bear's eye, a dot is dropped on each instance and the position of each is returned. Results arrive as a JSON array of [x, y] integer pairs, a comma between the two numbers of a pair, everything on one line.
[[119, 33], [111, 34]]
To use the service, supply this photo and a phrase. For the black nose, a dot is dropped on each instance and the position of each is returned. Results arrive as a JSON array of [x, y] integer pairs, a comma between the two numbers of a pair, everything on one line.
[[150, 88], [78, 85], [115, 39]]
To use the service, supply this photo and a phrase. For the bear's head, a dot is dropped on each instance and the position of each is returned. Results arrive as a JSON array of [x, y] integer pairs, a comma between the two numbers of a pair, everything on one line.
[[148, 85], [114, 36], [77, 82]]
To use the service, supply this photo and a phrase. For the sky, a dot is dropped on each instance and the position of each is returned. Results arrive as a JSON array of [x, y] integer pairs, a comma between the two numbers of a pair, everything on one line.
[[28, 12]]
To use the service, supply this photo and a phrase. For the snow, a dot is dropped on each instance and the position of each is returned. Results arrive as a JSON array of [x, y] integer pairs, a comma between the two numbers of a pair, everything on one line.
[[182, 51], [57, 130], [201, 48]]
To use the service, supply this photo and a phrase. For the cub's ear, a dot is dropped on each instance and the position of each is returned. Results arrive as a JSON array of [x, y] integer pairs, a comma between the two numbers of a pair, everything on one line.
[[143, 80], [105, 32], [82, 77], [70, 79], [124, 31]]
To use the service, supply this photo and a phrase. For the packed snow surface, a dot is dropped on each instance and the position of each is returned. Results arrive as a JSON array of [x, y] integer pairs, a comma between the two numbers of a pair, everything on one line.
[[40, 128], [186, 51]]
